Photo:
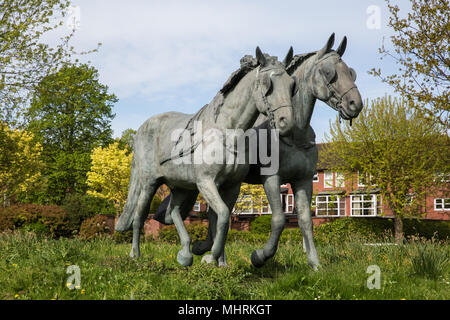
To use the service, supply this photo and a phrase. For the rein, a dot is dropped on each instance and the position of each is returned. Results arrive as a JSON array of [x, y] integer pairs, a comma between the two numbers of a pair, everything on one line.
[[334, 92], [269, 107]]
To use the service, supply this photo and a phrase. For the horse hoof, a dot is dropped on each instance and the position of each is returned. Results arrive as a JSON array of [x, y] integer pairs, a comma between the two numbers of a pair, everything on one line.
[[256, 259], [133, 254], [184, 260], [200, 247], [208, 259]]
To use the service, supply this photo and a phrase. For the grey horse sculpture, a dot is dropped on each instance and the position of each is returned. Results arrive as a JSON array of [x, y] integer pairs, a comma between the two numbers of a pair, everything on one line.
[[261, 88], [320, 75]]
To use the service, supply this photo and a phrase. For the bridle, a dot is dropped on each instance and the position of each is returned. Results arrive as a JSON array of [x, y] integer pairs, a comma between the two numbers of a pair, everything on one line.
[[334, 91], [269, 107]]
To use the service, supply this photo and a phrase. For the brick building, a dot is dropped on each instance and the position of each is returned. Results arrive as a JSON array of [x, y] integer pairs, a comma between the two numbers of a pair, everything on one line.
[[336, 197], [333, 197]]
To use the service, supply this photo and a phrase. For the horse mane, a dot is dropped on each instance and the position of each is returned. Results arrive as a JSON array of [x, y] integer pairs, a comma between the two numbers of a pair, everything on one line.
[[297, 60], [247, 64]]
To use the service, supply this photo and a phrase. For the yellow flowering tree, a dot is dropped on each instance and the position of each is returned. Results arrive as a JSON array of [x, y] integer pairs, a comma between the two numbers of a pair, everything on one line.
[[20, 163], [110, 174], [252, 198]]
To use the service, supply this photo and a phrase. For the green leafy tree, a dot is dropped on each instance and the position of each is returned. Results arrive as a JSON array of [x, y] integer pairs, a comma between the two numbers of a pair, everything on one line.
[[126, 141], [25, 59], [400, 152], [421, 50], [70, 115]]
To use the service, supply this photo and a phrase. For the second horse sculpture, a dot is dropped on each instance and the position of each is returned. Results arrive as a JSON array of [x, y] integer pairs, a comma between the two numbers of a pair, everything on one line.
[[320, 75], [264, 87]]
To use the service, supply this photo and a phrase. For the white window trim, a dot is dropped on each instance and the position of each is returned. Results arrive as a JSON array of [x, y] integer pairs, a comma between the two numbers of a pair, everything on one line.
[[374, 207], [328, 196], [287, 205], [316, 177], [442, 204], [325, 185], [337, 176], [360, 184], [269, 209]]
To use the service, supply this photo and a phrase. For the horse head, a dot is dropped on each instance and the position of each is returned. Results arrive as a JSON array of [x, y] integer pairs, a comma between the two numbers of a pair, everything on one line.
[[274, 89], [333, 82]]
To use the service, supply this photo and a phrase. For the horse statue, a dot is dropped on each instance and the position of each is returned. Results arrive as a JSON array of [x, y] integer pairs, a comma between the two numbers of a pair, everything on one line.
[[319, 75], [261, 85]]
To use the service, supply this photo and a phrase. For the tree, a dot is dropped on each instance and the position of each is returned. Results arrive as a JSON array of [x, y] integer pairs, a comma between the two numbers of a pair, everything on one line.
[[127, 139], [70, 114], [399, 151], [24, 58], [420, 48], [20, 163], [110, 174], [251, 197]]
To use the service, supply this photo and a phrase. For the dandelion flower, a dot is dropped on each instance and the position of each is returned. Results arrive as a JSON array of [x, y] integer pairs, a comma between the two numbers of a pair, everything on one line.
[[16, 296]]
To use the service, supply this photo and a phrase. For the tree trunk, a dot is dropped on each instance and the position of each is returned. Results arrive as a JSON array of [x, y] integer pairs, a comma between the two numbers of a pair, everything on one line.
[[398, 229]]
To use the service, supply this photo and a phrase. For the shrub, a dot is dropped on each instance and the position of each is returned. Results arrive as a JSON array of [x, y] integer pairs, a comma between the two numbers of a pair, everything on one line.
[[156, 202], [57, 222], [95, 227], [49, 219], [196, 231], [80, 207], [376, 229], [37, 228], [123, 237], [261, 225]]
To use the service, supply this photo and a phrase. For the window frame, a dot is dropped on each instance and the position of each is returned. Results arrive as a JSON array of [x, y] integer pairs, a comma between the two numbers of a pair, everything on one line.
[[377, 208], [338, 201], [443, 202]]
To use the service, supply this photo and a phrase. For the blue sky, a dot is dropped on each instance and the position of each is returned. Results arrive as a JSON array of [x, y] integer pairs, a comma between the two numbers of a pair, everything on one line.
[[159, 56]]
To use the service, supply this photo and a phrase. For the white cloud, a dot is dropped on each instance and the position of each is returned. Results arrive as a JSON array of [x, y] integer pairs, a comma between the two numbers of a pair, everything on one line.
[[177, 53]]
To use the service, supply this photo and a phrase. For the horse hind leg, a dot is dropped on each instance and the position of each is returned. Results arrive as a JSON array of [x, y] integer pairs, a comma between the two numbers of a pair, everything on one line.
[[141, 213], [200, 247]]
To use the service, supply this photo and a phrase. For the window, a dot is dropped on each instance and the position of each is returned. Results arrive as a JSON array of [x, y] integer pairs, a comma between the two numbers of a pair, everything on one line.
[[340, 180], [330, 205], [197, 207], [442, 204], [265, 209], [365, 205], [316, 177], [288, 201], [363, 179], [328, 179]]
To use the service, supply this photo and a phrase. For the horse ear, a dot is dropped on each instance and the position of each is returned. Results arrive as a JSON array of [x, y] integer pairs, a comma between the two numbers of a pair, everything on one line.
[[327, 47], [260, 57], [288, 57], [341, 49]]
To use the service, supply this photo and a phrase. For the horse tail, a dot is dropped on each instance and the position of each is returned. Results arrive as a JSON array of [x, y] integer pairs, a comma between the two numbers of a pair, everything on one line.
[[125, 221]]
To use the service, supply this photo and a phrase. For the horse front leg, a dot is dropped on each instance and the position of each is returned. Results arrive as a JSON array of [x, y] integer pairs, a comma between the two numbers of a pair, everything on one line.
[[272, 189], [222, 203], [303, 193]]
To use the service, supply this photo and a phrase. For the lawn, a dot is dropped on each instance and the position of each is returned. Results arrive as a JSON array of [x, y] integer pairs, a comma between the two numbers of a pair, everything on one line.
[[32, 267]]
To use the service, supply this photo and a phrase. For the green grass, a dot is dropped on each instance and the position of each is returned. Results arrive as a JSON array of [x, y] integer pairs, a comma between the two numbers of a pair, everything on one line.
[[35, 268]]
